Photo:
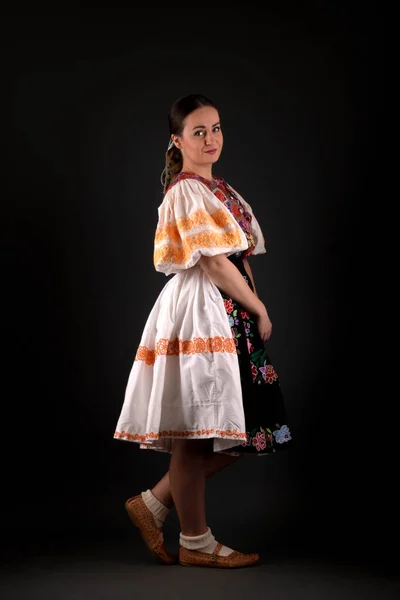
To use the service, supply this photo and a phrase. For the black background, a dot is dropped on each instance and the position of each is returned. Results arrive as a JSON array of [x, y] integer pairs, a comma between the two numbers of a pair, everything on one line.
[[296, 86]]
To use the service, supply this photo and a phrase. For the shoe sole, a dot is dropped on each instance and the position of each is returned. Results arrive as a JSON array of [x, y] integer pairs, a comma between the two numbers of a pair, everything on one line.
[[213, 566]]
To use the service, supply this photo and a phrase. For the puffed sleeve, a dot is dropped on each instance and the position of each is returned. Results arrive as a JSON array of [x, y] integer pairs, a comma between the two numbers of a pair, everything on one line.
[[255, 227], [192, 222]]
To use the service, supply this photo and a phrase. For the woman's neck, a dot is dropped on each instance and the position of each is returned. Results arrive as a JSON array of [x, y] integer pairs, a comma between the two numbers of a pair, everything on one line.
[[202, 170]]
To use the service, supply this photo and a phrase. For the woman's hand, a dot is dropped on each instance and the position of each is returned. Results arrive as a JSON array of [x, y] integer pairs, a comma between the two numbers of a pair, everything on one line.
[[264, 325]]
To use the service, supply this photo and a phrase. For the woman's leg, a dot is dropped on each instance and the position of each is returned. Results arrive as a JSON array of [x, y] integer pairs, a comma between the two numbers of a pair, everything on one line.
[[188, 484], [187, 479], [213, 463]]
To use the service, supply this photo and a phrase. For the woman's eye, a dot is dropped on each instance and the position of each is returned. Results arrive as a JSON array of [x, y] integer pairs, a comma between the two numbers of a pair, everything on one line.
[[200, 132]]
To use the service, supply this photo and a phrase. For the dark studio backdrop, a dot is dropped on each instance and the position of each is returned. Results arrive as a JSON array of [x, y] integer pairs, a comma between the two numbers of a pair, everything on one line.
[[90, 97]]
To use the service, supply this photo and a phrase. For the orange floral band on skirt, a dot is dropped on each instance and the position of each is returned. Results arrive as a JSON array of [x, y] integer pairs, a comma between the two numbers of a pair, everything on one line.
[[175, 347], [135, 437]]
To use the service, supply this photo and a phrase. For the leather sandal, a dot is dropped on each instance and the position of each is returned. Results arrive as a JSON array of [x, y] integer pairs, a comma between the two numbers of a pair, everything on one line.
[[234, 560], [152, 535]]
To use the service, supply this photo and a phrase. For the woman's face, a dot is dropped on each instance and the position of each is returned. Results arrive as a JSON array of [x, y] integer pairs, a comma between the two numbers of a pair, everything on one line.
[[201, 140]]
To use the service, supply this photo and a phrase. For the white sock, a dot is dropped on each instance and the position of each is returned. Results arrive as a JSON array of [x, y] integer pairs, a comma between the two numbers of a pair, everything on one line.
[[205, 542], [157, 508]]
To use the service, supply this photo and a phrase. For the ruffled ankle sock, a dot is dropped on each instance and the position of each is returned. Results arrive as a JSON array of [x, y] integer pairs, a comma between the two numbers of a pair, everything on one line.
[[157, 508], [203, 543]]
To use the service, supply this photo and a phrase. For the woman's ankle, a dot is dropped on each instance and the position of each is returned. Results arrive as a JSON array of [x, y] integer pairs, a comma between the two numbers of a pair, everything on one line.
[[204, 542], [194, 531]]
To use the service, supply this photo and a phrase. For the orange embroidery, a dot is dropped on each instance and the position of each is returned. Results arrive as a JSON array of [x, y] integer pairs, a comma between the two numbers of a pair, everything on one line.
[[199, 218], [175, 243], [169, 232], [219, 218], [175, 347], [143, 438], [179, 255]]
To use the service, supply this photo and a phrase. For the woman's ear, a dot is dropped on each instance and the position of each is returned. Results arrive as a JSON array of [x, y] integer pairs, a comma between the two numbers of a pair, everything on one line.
[[177, 142]]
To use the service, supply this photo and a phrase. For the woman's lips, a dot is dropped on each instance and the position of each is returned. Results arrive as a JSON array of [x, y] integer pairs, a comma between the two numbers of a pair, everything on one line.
[[211, 151]]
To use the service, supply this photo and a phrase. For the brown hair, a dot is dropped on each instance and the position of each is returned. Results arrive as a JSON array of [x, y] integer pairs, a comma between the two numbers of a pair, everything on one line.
[[179, 110]]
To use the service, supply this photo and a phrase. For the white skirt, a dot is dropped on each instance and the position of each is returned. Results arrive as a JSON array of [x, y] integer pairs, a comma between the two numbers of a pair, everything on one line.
[[185, 380]]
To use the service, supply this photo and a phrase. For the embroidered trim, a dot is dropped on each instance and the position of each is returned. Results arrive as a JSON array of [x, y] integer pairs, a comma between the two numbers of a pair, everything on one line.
[[199, 218], [176, 243], [220, 433], [180, 255], [264, 437], [177, 346], [190, 175]]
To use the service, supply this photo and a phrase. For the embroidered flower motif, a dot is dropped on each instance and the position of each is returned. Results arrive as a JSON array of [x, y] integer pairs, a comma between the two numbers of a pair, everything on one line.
[[199, 345], [186, 347], [282, 434], [259, 441], [269, 374], [217, 343], [228, 306], [229, 345], [173, 347], [250, 346], [245, 315], [247, 441], [235, 318], [254, 371], [231, 321], [162, 346]]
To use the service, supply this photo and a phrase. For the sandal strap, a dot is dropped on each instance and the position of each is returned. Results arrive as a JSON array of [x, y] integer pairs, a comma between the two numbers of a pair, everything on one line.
[[217, 548]]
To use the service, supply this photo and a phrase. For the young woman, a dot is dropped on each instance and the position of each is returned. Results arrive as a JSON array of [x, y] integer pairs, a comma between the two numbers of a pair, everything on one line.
[[202, 386]]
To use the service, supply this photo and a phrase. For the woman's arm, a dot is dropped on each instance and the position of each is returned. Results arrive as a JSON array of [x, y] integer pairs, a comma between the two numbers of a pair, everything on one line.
[[250, 274], [223, 273]]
